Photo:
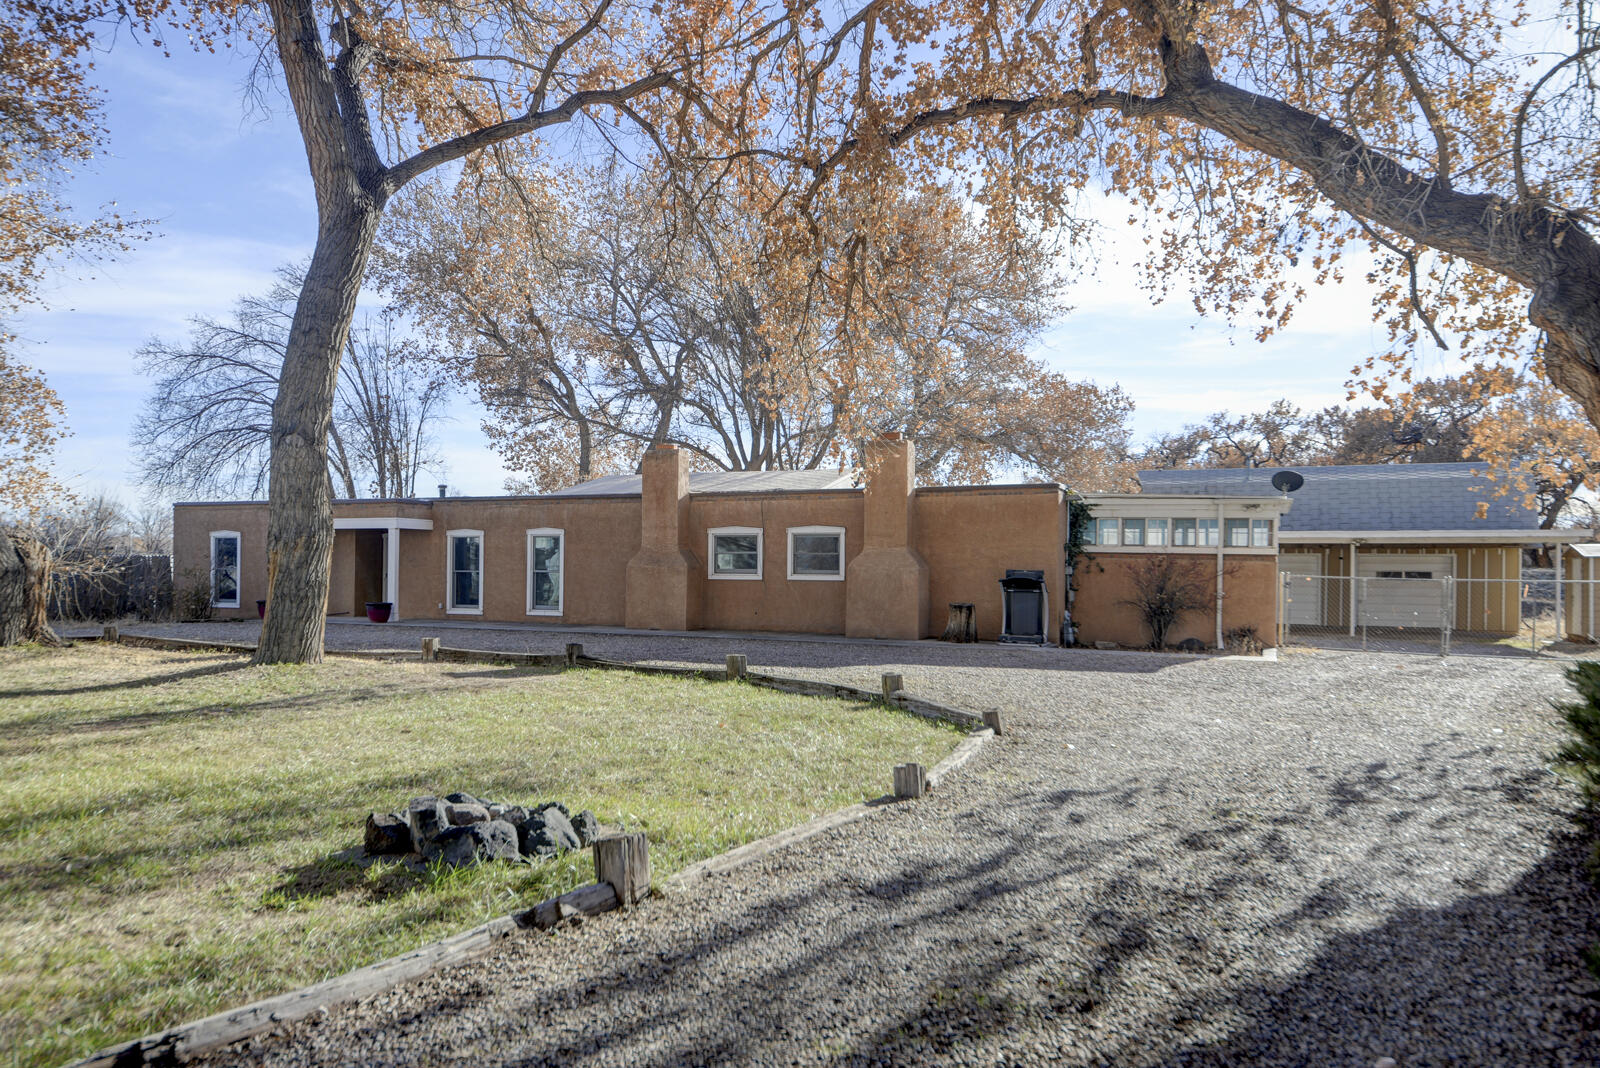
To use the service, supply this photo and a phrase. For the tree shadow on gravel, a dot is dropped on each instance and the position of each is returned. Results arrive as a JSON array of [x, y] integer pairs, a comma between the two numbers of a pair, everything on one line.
[[1063, 928]]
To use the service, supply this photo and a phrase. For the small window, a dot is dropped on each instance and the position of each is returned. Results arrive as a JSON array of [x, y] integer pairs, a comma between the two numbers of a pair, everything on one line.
[[1183, 532], [1390, 574], [545, 551], [1208, 531], [1260, 532], [816, 554], [1105, 532], [1133, 532], [1237, 532], [464, 583], [734, 553], [1155, 531], [225, 568]]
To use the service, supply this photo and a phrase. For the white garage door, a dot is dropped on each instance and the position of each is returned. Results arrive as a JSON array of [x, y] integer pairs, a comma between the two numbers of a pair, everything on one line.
[[1303, 590], [1403, 591]]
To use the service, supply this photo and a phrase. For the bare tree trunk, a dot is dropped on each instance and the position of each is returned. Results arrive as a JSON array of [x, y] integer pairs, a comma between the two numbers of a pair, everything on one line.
[[300, 527], [24, 591]]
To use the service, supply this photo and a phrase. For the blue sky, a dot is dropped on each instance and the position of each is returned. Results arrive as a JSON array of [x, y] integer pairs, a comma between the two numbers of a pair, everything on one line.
[[230, 198]]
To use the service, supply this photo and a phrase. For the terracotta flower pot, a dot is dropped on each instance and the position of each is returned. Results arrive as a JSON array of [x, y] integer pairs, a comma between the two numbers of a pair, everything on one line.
[[378, 611], [261, 609]]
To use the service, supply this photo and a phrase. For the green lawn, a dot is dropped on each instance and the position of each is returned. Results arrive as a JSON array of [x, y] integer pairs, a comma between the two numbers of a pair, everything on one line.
[[169, 823]]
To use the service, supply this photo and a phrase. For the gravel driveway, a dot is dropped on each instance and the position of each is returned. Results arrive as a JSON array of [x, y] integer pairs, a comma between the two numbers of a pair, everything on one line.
[[1323, 861]]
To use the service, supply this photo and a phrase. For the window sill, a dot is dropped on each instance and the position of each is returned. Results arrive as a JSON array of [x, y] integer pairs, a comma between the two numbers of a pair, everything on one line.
[[734, 578], [816, 578], [549, 613], [463, 611]]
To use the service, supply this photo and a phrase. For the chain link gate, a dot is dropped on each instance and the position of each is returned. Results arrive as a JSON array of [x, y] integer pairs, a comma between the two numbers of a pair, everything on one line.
[[1402, 613]]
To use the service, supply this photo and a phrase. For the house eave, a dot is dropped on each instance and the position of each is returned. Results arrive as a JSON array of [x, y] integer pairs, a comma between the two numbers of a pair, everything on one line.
[[1436, 537]]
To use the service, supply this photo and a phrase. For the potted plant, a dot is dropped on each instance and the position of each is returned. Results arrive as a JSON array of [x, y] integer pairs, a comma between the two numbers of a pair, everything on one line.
[[378, 611]]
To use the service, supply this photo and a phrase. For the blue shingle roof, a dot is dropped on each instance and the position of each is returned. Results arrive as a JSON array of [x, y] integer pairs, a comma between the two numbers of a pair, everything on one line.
[[1368, 496]]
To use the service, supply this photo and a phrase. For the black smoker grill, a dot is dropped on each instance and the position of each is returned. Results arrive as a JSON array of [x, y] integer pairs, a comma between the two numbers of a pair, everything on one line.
[[1022, 601]]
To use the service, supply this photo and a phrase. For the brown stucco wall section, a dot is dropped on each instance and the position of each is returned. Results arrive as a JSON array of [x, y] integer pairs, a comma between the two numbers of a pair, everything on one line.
[[970, 536], [1106, 582], [192, 525], [341, 574], [776, 603], [602, 534]]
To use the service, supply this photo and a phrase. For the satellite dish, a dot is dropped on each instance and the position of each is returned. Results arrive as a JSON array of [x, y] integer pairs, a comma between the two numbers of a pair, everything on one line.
[[1287, 481]]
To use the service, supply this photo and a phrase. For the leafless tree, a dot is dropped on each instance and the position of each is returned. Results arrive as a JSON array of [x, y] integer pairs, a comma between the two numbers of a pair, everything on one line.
[[205, 429]]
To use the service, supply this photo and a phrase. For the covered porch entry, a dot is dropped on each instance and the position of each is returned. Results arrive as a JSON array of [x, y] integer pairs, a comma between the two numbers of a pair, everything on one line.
[[366, 563]]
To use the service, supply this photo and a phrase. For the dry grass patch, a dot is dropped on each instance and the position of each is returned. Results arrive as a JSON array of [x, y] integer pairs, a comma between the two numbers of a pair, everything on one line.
[[170, 822]]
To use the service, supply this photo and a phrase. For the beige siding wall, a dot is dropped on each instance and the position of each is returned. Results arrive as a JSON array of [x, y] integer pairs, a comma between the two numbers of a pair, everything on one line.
[[1486, 586]]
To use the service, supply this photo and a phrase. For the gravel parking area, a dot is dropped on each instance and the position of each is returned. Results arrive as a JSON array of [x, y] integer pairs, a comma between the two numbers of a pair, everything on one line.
[[1328, 860]]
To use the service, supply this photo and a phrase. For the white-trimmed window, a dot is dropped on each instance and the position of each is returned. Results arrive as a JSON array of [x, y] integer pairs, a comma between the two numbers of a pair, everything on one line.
[[1155, 531], [1208, 531], [816, 554], [225, 568], [1183, 532], [1133, 532], [733, 553], [546, 557], [1237, 533], [464, 572], [1260, 532]]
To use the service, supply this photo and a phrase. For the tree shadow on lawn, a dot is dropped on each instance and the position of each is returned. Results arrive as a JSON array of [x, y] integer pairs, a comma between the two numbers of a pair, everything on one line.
[[137, 683], [1056, 924]]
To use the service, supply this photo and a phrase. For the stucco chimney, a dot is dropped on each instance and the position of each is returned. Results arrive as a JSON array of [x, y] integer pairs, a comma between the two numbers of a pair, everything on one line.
[[659, 575], [886, 585]]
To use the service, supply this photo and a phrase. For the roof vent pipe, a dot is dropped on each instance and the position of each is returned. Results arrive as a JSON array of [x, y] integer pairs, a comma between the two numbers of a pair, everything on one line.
[[442, 489]]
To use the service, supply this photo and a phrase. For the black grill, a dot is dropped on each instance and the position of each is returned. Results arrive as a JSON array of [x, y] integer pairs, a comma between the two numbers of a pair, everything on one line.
[[1023, 602]]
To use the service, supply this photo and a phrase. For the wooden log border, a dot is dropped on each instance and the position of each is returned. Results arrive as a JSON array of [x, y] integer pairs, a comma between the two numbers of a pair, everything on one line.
[[209, 1034]]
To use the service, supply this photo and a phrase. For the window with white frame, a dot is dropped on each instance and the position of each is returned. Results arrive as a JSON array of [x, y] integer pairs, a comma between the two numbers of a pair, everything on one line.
[[1260, 532], [1133, 532], [1105, 531], [464, 576], [733, 553], [1184, 532], [1236, 533], [1155, 531], [225, 568], [816, 554], [546, 557], [1208, 531]]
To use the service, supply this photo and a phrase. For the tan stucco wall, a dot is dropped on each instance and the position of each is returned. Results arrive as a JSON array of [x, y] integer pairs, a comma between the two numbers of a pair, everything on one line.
[[191, 549], [970, 536], [602, 534], [1487, 594], [341, 574], [777, 602], [1106, 582]]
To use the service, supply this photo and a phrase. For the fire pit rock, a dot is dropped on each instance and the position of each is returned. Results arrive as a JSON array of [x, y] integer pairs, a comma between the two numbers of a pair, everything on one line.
[[461, 829]]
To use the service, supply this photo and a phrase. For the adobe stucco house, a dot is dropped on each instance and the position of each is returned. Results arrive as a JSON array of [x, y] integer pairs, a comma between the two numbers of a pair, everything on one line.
[[807, 552]]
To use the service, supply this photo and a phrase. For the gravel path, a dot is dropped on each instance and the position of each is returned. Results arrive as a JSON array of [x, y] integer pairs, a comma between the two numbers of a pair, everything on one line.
[[1325, 861]]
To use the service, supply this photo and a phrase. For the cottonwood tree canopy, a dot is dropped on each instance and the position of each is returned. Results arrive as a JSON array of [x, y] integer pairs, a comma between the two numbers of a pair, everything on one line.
[[593, 326], [1454, 140]]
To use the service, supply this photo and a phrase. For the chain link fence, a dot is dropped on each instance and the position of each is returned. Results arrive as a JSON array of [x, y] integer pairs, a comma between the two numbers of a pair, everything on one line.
[[1404, 612]]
